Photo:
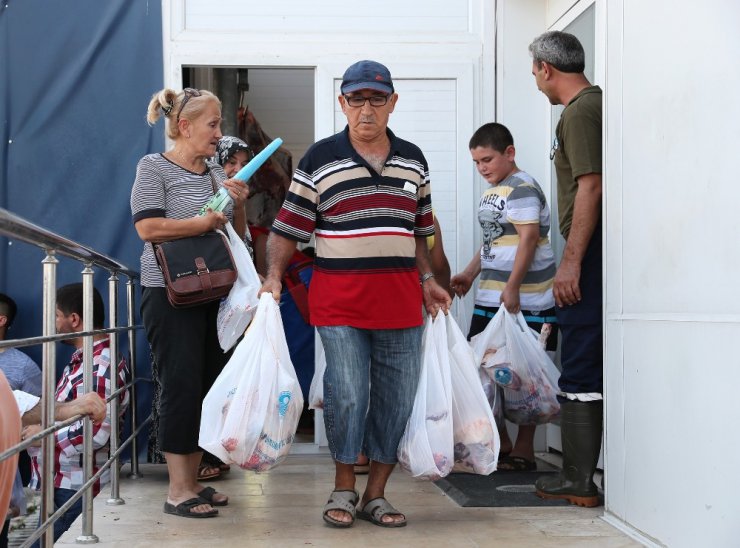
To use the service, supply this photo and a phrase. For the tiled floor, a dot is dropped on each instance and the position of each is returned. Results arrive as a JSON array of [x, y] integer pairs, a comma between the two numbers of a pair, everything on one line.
[[283, 508]]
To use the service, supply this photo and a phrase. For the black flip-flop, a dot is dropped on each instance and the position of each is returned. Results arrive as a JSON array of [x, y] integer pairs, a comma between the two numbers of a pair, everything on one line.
[[184, 509], [207, 495]]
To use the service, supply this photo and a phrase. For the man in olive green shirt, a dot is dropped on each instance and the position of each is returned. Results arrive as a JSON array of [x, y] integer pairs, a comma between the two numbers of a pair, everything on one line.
[[558, 62]]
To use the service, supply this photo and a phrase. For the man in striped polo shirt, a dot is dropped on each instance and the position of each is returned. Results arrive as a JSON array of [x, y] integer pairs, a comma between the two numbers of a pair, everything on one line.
[[365, 195]]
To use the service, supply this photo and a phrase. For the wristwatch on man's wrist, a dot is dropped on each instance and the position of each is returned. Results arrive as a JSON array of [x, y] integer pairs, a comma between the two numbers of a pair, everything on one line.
[[424, 277]]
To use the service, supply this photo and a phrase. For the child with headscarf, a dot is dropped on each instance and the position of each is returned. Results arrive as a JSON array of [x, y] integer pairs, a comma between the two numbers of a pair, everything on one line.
[[232, 154]]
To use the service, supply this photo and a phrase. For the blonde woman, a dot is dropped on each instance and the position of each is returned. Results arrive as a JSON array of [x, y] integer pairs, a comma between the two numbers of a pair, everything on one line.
[[168, 192]]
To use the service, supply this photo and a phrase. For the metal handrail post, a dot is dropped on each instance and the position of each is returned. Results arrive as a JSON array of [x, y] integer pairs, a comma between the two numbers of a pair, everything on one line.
[[48, 385], [130, 300], [87, 536], [115, 470]]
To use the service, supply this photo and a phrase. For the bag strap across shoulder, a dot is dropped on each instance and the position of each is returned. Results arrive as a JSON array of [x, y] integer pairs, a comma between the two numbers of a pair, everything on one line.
[[213, 181]]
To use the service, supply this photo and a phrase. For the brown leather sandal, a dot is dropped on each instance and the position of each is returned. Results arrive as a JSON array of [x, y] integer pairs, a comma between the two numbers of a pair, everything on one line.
[[208, 472]]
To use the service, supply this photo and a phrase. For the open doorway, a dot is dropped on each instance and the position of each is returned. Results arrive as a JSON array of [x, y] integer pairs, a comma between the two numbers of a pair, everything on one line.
[[261, 103], [281, 98], [272, 102]]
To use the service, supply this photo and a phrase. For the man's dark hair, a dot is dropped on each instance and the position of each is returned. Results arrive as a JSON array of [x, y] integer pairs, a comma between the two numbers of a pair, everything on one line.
[[69, 300], [560, 49], [8, 308], [494, 135]]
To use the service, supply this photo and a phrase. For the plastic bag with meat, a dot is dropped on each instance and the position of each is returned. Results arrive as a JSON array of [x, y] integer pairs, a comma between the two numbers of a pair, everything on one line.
[[475, 433], [251, 412], [515, 359], [426, 447]]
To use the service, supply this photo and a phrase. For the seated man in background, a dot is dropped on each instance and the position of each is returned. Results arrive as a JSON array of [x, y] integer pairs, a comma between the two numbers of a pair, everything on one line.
[[20, 370], [68, 473], [90, 404]]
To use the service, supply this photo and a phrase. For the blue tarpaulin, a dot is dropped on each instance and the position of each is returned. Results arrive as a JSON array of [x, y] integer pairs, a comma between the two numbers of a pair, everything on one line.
[[75, 81]]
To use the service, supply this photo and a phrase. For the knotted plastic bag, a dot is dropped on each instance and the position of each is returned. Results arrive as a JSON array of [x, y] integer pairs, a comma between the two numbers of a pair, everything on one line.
[[237, 308]]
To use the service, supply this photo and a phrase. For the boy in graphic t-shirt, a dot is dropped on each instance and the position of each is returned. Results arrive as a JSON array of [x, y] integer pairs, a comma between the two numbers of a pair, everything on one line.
[[515, 263]]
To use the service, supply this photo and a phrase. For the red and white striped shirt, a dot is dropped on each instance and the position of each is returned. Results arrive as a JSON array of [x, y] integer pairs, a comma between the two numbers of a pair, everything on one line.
[[69, 447], [365, 223]]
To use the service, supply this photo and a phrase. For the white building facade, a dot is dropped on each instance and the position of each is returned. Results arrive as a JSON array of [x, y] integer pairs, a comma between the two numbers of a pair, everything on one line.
[[671, 118]]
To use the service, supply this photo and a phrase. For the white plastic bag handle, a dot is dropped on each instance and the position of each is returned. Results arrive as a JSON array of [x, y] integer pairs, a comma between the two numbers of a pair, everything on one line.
[[518, 320]]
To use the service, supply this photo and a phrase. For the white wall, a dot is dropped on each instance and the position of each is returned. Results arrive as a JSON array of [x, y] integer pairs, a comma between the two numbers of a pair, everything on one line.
[[430, 40], [405, 20], [520, 105], [672, 317], [672, 260]]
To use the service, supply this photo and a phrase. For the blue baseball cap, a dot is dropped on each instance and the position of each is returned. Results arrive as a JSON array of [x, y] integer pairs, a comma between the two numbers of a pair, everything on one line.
[[367, 75]]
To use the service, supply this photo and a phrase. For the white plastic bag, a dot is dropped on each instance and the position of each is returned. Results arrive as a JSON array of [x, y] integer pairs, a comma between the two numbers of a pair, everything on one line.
[[426, 447], [510, 352], [237, 308], [316, 392], [476, 437], [251, 412]]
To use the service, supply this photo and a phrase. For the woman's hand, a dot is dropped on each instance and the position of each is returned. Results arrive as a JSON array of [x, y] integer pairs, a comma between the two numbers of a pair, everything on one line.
[[238, 190], [213, 220]]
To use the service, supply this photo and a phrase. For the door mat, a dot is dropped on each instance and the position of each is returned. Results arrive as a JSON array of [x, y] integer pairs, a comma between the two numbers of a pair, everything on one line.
[[500, 489]]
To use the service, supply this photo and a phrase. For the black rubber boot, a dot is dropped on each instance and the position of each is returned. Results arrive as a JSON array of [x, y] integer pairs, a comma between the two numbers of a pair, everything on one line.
[[581, 424]]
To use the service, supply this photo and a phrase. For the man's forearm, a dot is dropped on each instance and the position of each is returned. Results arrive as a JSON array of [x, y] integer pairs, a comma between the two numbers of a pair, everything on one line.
[[33, 416], [279, 252], [62, 411], [586, 214], [423, 262], [88, 404]]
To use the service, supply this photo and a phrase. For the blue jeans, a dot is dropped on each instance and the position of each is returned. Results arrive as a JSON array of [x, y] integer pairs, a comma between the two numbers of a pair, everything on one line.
[[369, 387], [65, 522]]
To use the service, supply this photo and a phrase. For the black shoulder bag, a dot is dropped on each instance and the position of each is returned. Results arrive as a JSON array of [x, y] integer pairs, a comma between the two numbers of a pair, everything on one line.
[[197, 269]]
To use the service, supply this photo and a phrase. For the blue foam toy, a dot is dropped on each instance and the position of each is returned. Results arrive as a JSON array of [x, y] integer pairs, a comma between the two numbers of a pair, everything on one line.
[[248, 170]]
